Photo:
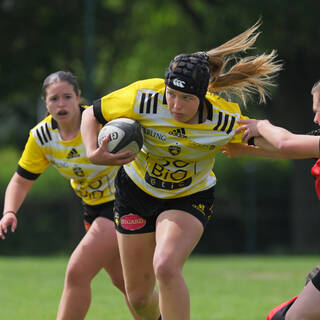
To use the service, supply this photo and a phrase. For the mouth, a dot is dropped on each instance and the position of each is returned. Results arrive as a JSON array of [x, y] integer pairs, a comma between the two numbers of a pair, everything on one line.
[[177, 115], [62, 113]]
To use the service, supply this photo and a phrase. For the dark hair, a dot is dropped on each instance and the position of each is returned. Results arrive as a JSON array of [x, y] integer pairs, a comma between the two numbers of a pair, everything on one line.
[[58, 77], [312, 273]]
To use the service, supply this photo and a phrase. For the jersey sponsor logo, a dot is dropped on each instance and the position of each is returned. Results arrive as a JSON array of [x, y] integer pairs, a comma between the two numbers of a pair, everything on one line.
[[154, 134], [43, 134], [132, 222], [180, 133], [73, 154], [200, 207], [174, 150], [78, 171], [225, 123], [166, 185], [116, 218], [89, 195], [178, 83], [149, 102]]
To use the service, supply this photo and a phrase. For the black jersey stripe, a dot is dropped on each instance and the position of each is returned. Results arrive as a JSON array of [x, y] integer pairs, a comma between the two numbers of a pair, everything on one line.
[[143, 98], [219, 121], [155, 103], [146, 105], [39, 136], [48, 132], [232, 122], [44, 134], [149, 102], [225, 123]]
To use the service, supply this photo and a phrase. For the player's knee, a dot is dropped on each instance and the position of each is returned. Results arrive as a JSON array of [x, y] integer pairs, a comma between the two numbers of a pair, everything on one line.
[[165, 270], [139, 300], [75, 275]]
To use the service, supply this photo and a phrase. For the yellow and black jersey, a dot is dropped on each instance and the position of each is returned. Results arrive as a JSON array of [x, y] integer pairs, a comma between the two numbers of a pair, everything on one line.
[[177, 158], [93, 183]]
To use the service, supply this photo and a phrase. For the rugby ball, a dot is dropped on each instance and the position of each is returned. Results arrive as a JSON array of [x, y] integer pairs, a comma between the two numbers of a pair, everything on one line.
[[125, 134]]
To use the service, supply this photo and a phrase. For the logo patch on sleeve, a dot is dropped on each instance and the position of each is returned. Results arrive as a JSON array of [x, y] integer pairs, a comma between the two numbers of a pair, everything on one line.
[[132, 222]]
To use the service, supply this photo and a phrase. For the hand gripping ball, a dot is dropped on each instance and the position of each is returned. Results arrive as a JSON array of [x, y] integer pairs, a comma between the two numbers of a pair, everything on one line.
[[125, 134]]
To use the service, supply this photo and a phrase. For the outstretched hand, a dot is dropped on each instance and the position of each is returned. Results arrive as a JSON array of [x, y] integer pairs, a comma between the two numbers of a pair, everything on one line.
[[236, 150], [249, 128], [9, 219], [103, 157]]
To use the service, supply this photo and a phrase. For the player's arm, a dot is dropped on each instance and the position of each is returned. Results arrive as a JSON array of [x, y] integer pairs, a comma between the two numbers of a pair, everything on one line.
[[15, 194], [262, 149], [288, 144], [99, 155]]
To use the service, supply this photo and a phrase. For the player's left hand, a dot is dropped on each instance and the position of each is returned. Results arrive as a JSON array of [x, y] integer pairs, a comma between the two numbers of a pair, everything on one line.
[[249, 128]]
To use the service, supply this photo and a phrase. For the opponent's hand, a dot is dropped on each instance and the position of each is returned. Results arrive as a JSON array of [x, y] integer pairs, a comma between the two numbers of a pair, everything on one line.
[[236, 150], [249, 128], [9, 219], [103, 157]]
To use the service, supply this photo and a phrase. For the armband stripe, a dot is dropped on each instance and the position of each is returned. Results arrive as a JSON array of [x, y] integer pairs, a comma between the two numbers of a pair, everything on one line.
[[27, 174], [98, 112]]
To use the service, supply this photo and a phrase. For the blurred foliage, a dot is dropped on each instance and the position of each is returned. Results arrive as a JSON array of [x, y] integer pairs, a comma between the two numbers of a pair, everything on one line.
[[127, 40], [49, 182], [133, 40]]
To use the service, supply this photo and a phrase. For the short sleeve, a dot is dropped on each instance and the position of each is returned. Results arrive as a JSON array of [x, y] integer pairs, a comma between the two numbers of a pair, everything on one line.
[[33, 159]]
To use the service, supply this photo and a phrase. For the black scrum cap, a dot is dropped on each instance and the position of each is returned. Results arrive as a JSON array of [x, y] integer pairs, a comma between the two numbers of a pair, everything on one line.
[[189, 73]]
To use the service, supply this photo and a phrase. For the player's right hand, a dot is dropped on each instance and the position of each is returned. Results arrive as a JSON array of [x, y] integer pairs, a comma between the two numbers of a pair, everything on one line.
[[9, 219], [102, 157]]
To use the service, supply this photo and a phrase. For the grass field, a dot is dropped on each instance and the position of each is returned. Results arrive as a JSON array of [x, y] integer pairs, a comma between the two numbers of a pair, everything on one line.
[[221, 287]]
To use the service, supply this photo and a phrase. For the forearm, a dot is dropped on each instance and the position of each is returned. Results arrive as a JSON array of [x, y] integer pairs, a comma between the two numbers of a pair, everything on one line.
[[273, 135], [288, 144], [16, 192]]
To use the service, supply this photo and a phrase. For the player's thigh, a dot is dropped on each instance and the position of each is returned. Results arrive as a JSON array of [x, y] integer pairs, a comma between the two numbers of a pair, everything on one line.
[[136, 251], [98, 248], [177, 233], [307, 305]]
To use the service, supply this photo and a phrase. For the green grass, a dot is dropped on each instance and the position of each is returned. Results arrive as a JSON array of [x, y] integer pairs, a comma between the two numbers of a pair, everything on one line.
[[221, 287]]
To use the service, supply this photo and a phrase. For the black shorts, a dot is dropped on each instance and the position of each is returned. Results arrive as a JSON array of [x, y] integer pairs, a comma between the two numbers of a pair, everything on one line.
[[137, 211], [104, 210]]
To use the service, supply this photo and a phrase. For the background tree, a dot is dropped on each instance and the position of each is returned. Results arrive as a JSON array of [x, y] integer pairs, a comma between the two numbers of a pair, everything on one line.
[[110, 43]]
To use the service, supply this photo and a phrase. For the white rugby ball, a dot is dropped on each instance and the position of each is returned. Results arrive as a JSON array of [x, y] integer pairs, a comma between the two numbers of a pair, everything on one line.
[[125, 134]]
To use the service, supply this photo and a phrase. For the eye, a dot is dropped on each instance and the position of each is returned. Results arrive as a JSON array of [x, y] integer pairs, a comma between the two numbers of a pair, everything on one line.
[[53, 98], [171, 93]]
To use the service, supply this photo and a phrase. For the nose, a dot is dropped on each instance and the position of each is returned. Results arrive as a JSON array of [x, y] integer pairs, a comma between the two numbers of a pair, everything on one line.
[[61, 102], [177, 104], [316, 118]]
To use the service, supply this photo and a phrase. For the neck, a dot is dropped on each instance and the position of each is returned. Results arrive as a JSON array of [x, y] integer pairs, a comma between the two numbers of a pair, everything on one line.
[[69, 130]]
